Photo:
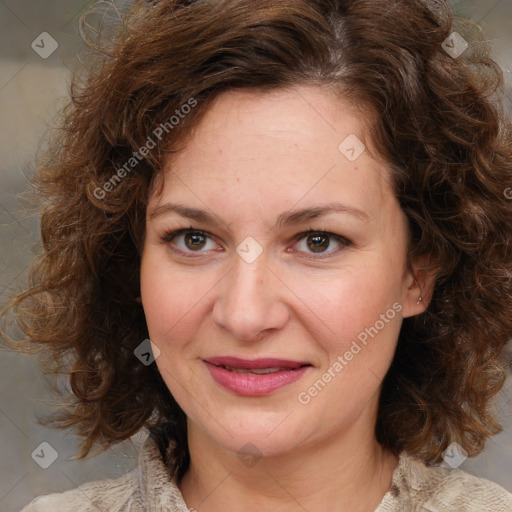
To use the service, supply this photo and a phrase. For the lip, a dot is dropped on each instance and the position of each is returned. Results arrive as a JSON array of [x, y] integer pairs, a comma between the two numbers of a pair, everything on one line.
[[250, 384], [248, 364]]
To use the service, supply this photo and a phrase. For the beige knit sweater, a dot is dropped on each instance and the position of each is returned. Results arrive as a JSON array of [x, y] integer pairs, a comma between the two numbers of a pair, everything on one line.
[[148, 488]]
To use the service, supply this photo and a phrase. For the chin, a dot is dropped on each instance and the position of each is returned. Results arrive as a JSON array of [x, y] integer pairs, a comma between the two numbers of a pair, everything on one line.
[[254, 437], [258, 444]]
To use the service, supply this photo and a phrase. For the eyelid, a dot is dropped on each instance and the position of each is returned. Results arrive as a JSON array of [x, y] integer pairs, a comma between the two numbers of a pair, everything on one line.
[[345, 242], [173, 233]]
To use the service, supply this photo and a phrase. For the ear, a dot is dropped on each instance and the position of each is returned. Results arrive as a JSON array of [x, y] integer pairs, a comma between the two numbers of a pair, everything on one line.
[[419, 286]]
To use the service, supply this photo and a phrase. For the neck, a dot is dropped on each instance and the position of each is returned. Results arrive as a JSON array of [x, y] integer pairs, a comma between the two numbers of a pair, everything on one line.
[[346, 473]]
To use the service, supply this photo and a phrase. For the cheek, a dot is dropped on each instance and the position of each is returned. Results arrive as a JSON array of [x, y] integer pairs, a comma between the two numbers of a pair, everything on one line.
[[170, 304], [338, 307], [172, 300]]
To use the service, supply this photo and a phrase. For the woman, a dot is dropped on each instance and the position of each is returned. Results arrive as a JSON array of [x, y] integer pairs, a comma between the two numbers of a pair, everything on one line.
[[301, 204]]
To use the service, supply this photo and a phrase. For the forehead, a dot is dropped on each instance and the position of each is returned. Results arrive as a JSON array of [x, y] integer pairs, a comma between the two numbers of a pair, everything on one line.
[[277, 148]]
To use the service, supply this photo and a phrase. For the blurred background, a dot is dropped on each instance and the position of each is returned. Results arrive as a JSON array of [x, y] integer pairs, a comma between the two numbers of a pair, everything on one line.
[[39, 46]]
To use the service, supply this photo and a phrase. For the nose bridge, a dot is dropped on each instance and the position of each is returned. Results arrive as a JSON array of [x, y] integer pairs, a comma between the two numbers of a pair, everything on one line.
[[247, 304]]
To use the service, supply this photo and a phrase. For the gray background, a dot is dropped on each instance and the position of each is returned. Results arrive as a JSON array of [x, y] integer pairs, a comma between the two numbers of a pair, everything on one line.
[[31, 91]]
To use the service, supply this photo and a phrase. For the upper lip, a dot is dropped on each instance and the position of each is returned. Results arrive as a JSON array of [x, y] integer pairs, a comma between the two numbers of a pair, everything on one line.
[[248, 364]]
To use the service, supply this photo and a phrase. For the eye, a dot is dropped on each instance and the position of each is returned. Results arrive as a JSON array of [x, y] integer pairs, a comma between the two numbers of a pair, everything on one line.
[[319, 241], [189, 240]]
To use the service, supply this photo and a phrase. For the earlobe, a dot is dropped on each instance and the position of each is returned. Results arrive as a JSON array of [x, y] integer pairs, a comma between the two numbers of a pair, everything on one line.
[[421, 281]]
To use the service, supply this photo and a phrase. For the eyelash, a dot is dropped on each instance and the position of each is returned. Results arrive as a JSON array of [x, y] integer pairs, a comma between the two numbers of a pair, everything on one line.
[[170, 235]]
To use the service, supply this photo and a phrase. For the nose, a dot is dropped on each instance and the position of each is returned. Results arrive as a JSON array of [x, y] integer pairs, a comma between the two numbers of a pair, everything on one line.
[[247, 307]]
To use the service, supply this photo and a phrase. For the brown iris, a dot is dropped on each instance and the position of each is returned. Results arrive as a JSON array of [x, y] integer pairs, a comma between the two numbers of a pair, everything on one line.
[[318, 242], [196, 240]]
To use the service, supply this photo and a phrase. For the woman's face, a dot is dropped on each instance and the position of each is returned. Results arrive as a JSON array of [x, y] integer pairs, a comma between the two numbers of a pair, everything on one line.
[[258, 173]]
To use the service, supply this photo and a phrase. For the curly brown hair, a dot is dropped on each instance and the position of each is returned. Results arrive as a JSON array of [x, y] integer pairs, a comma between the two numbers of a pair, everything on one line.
[[437, 120]]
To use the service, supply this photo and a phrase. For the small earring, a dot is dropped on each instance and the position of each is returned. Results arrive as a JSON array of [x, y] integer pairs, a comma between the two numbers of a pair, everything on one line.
[[419, 300]]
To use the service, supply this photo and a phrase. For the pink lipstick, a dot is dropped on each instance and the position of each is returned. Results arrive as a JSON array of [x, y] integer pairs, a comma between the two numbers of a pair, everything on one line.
[[256, 377]]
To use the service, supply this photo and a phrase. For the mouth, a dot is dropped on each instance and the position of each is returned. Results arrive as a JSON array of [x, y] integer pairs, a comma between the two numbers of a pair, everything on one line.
[[255, 377], [260, 371], [257, 366]]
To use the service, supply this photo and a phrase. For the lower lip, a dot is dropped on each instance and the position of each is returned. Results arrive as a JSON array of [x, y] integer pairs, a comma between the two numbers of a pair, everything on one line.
[[250, 384]]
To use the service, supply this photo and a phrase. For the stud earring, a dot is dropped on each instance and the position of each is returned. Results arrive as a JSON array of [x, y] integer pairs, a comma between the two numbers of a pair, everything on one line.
[[419, 300]]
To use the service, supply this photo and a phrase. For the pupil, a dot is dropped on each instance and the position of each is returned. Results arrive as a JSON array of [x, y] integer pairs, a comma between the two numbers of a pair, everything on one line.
[[195, 240], [317, 243]]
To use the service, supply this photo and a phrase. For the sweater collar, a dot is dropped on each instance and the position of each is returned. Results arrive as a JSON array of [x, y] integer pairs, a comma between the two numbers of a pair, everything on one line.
[[160, 492]]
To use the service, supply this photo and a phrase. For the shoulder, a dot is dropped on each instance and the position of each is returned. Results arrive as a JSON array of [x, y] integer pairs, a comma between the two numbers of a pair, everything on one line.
[[418, 487], [115, 495], [147, 487]]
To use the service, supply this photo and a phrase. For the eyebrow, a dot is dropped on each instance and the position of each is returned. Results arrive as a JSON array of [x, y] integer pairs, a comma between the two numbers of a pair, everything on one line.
[[288, 218]]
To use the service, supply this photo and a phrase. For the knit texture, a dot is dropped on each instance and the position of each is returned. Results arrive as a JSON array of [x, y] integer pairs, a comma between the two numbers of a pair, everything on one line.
[[148, 488]]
